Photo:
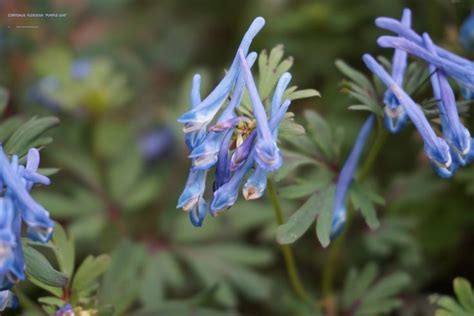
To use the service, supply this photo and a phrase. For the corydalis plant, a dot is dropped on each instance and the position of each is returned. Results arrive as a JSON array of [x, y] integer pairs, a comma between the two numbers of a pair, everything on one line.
[[235, 129], [18, 207]]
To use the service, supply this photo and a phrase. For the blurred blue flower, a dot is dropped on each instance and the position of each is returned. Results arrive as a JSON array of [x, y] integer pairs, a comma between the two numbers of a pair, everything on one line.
[[156, 143], [395, 117], [80, 69], [345, 178], [17, 207], [8, 300], [435, 147], [65, 310], [466, 34]]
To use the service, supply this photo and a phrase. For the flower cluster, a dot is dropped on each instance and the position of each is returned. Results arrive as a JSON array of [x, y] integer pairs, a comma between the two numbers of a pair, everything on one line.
[[455, 146], [17, 207], [235, 145]]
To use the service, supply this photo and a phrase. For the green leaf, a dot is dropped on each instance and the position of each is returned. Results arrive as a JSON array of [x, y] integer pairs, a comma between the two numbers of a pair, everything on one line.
[[26, 135], [321, 133], [8, 127], [4, 96], [463, 291], [323, 225], [300, 221], [65, 249], [303, 94], [363, 295], [89, 271], [292, 162], [364, 200], [51, 300], [39, 268]]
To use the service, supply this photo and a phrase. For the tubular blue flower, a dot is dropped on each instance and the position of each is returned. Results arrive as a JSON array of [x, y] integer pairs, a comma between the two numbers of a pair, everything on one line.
[[454, 132], [7, 235], [267, 153], [192, 139], [395, 117], [40, 226], [65, 310], [406, 32], [435, 147], [466, 34], [226, 195], [204, 155], [198, 213], [255, 186], [8, 300], [345, 177], [242, 152], [193, 189], [222, 169], [462, 72], [203, 114]]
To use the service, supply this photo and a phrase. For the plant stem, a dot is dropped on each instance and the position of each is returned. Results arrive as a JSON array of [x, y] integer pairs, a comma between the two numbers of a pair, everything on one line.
[[288, 255], [335, 251]]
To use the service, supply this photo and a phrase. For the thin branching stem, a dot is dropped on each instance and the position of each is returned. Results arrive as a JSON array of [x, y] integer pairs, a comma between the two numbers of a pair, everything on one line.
[[287, 252]]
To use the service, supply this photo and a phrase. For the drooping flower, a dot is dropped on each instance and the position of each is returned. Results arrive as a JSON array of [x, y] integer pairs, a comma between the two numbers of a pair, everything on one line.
[[466, 34], [435, 147], [346, 175], [226, 195], [201, 115], [267, 153], [454, 132], [17, 207], [395, 117], [409, 41], [204, 154]]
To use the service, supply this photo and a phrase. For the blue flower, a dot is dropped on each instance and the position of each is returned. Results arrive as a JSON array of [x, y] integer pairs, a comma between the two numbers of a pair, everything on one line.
[[65, 310], [466, 34], [267, 153], [8, 300], [80, 69], [395, 117], [256, 184], [226, 195], [40, 226], [435, 147], [454, 132], [345, 177], [17, 206], [203, 114], [453, 65], [193, 190], [204, 154], [156, 143]]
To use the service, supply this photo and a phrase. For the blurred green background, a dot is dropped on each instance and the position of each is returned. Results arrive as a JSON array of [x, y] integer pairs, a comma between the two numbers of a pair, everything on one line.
[[117, 73]]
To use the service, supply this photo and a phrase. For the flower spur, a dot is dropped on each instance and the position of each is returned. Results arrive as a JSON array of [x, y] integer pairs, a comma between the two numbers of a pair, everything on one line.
[[435, 147], [395, 117], [454, 132], [409, 41], [345, 178], [201, 115]]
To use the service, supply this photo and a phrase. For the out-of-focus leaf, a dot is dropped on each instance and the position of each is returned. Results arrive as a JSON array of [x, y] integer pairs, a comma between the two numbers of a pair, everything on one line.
[[364, 200], [26, 134], [364, 295], [463, 306], [65, 249], [4, 96], [89, 271], [119, 286]]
